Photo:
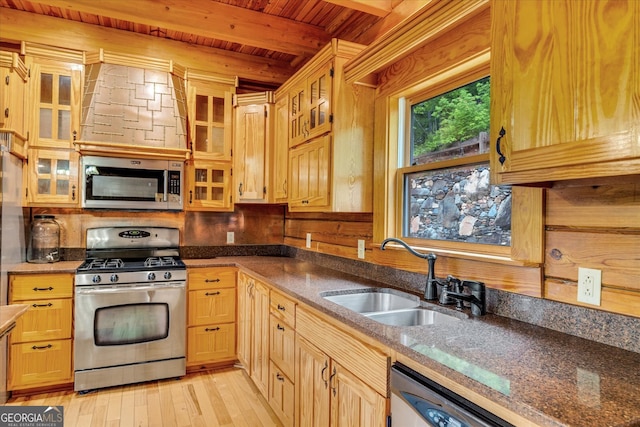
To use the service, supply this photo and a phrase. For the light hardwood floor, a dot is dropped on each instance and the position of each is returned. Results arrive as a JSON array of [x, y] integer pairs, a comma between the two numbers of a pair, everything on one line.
[[224, 397]]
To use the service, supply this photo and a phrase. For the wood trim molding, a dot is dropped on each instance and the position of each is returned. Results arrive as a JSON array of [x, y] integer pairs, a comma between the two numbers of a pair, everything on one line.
[[431, 21]]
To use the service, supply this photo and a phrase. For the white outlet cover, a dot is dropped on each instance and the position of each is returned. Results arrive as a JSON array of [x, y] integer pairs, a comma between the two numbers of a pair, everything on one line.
[[360, 248], [308, 240], [589, 285], [231, 238]]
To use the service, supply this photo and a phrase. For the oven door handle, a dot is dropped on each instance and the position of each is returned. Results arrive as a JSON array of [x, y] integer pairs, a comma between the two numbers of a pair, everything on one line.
[[103, 289]]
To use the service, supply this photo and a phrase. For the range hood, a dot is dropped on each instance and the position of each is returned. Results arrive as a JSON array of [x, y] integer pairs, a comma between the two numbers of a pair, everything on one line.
[[133, 106]]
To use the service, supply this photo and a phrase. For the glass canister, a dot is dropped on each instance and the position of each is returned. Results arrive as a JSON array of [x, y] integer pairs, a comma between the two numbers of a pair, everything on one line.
[[44, 245]]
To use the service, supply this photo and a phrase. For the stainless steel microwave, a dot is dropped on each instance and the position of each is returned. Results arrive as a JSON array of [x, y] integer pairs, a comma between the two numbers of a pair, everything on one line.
[[117, 183]]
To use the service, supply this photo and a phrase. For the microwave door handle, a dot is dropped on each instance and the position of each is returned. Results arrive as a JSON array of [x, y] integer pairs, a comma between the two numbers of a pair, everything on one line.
[[166, 186]]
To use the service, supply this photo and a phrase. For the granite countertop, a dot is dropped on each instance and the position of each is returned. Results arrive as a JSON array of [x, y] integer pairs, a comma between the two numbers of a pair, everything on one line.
[[8, 316], [550, 378], [547, 377]]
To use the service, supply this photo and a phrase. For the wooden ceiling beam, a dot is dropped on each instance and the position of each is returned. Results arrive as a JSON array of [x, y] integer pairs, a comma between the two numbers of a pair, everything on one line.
[[25, 26], [379, 8], [209, 19]]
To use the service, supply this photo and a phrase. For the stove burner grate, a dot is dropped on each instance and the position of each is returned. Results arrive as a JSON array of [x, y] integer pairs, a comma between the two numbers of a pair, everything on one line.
[[160, 261], [100, 263]]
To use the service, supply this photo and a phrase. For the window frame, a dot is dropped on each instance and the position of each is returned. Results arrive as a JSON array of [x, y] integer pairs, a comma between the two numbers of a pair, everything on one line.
[[389, 223]]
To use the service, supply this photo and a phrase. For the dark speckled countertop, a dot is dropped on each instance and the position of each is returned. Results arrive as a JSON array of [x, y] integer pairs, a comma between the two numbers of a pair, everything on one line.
[[544, 376]]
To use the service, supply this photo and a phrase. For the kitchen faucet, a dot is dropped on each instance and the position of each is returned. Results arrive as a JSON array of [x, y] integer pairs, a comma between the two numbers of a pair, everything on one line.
[[430, 289], [477, 297]]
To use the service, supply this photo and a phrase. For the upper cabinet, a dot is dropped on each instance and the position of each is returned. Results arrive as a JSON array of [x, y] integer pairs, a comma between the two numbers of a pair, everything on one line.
[[329, 134], [210, 115], [280, 151], [253, 133], [565, 90], [13, 92]]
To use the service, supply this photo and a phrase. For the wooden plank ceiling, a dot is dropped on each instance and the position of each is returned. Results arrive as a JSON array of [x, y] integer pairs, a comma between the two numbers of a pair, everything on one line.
[[289, 31]]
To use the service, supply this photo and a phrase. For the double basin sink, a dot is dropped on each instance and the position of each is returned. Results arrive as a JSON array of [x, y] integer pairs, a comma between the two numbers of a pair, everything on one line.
[[391, 307]]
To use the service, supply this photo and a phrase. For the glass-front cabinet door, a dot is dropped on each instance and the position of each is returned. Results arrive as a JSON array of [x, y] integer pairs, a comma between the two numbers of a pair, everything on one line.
[[208, 186], [52, 177], [56, 91], [210, 121], [298, 126], [319, 84]]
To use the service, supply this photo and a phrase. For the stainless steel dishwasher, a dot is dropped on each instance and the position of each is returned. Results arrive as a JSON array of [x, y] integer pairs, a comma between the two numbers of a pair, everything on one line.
[[417, 401]]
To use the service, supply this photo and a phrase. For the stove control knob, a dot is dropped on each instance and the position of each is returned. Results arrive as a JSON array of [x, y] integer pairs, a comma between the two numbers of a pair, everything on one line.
[[167, 275], [96, 279], [114, 278], [151, 276]]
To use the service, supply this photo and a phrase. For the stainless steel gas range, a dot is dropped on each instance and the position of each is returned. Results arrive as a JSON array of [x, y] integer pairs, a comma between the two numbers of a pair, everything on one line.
[[130, 307]]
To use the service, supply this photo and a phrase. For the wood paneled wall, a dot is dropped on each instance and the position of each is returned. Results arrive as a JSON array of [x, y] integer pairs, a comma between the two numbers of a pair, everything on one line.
[[594, 224]]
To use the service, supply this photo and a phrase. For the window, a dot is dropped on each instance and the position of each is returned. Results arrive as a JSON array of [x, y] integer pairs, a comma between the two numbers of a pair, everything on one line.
[[444, 171]]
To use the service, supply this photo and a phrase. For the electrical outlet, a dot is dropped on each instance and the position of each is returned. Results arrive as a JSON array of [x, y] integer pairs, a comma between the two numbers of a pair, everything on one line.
[[309, 240], [360, 248], [231, 237], [589, 285]]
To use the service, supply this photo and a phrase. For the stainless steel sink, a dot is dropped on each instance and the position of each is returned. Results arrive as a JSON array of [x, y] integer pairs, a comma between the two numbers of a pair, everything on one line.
[[413, 317], [373, 300]]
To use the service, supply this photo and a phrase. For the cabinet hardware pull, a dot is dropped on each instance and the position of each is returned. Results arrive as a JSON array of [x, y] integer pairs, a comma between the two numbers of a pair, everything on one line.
[[42, 305], [240, 189], [502, 133], [279, 377], [281, 328], [43, 289], [217, 328], [333, 388], [6, 112], [211, 280], [6, 80], [190, 196], [281, 307], [73, 193], [42, 347], [75, 135], [209, 294], [326, 365]]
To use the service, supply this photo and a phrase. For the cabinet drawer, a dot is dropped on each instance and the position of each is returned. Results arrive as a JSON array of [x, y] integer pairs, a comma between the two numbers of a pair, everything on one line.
[[212, 306], [39, 364], [214, 277], [44, 320], [282, 345], [281, 395], [40, 286], [283, 308], [211, 343]]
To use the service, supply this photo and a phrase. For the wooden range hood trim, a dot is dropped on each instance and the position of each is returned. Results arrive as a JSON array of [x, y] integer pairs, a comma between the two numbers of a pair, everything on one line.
[[430, 22], [113, 149]]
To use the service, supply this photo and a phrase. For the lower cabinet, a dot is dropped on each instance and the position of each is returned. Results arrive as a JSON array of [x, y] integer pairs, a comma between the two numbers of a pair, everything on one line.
[[211, 319], [41, 345], [253, 351]]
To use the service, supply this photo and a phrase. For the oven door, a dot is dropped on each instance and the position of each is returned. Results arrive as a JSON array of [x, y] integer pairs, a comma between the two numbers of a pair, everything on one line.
[[127, 324]]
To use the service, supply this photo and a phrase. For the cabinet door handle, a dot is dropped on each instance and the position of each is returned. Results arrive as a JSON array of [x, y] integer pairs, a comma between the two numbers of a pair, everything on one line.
[[43, 289], [279, 377], [212, 280], [73, 193], [502, 133], [6, 112], [190, 196], [333, 387], [280, 328], [240, 189], [326, 366], [41, 305], [211, 294], [41, 347], [217, 328], [281, 307]]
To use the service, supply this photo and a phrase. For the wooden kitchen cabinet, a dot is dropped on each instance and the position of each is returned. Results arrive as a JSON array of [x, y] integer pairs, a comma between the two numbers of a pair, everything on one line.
[[340, 380], [14, 76], [253, 135], [208, 186], [309, 174], [52, 178], [211, 318], [210, 115], [253, 350], [40, 347], [282, 357], [564, 85], [280, 168], [326, 111]]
